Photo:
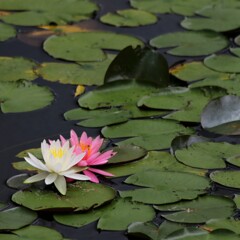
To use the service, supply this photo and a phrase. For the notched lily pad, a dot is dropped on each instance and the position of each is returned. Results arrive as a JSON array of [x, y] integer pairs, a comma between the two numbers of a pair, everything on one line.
[[81, 196]]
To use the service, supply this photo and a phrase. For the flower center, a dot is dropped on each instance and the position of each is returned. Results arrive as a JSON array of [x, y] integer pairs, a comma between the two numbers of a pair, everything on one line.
[[85, 148], [57, 153]]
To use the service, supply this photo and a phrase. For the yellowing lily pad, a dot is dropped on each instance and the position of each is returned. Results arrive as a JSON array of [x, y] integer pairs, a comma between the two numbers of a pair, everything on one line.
[[87, 46], [6, 32], [34, 13], [129, 18], [17, 68], [23, 97], [190, 43]]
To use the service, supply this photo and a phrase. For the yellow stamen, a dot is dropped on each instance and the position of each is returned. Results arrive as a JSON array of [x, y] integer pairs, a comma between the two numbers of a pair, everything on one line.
[[57, 153]]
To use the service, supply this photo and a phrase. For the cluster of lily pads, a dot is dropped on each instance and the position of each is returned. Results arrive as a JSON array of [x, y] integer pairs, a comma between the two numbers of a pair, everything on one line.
[[143, 107]]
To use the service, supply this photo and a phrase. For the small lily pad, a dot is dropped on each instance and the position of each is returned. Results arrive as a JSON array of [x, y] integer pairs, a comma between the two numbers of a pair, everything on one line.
[[86, 46], [190, 43], [6, 32], [17, 181], [222, 115], [129, 18], [9, 219], [35, 151], [23, 97], [199, 210], [235, 51], [80, 196]]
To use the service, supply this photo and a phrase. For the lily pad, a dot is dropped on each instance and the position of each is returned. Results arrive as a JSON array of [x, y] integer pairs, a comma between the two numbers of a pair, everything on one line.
[[17, 181], [199, 210], [151, 231], [9, 219], [32, 13], [235, 51], [226, 178], [190, 43], [117, 93], [235, 160], [129, 18], [70, 73], [207, 155], [154, 160], [222, 115], [17, 68], [142, 65], [163, 187], [6, 32], [115, 216], [23, 97], [215, 18], [23, 165], [223, 63], [86, 46], [35, 151], [80, 196]]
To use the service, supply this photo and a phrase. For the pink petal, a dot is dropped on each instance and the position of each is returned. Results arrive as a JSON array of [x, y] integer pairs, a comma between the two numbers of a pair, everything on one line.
[[93, 177], [96, 144], [74, 138], [103, 158], [100, 172], [82, 163], [83, 138], [63, 140]]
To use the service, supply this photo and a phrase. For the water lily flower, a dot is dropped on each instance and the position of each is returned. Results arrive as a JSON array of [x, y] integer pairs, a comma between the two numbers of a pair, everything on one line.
[[60, 163], [93, 156]]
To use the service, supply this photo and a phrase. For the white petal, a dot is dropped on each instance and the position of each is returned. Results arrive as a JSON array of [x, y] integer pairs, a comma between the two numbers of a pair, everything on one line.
[[45, 149], [36, 162], [37, 177], [77, 176], [75, 159], [50, 178], [61, 184]]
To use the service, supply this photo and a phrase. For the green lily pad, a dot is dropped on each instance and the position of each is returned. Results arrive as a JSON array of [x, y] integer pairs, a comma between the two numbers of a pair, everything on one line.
[[222, 115], [127, 153], [9, 219], [215, 18], [32, 13], [129, 18], [223, 63], [222, 223], [199, 210], [235, 160], [235, 51], [154, 160], [115, 216], [237, 200], [17, 181], [17, 68], [80, 196], [151, 231], [117, 93], [23, 97], [37, 152], [145, 127], [70, 73], [190, 43], [142, 65], [237, 40], [163, 187], [188, 102], [226, 178], [6, 32], [207, 155], [86, 46], [23, 165]]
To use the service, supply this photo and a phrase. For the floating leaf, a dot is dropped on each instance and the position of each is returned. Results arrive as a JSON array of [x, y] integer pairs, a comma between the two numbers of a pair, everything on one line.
[[80, 196], [17, 181], [234, 159], [71, 73], [86, 46], [35, 151], [226, 178], [129, 18], [23, 97], [23, 165], [215, 18], [154, 160], [190, 43], [223, 63], [116, 216], [16, 68], [165, 187], [199, 210], [142, 65], [235, 51], [117, 93], [80, 89], [207, 155], [32, 13], [222, 115], [150, 230], [10, 218], [237, 200], [222, 223], [127, 153], [6, 32]]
